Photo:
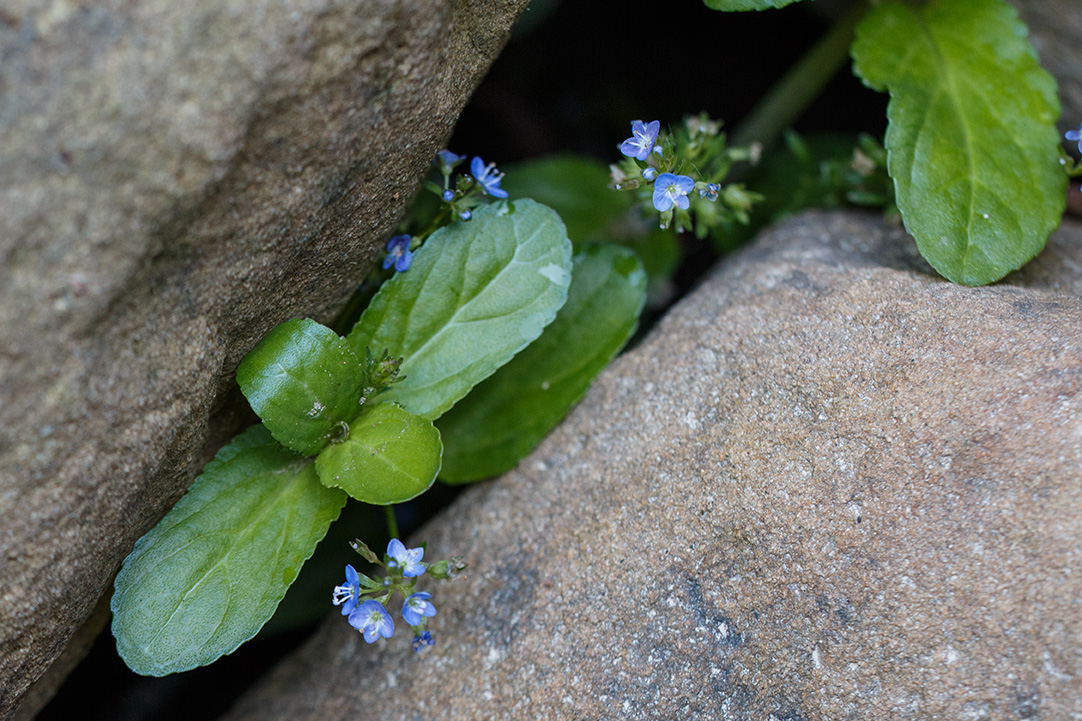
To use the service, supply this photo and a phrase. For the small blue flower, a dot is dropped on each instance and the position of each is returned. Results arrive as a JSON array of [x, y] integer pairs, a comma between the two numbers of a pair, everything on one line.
[[465, 215], [710, 192], [649, 173], [408, 559], [670, 190], [425, 639], [1076, 135], [448, 196], [487, 177], [417, 606], [641, 142], [398, 253], [446, 160], [346, 594], [372, 619]]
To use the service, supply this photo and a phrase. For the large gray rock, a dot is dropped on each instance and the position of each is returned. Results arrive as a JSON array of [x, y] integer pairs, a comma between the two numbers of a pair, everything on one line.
[[175, 179], [830, 485]]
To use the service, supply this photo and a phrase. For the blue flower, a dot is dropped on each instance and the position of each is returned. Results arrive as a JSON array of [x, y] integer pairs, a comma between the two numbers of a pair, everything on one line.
[[372, 619], [487, 177], [398, 253], [417, 606], [446, 160], [710, 192], [641, 142], [425, 639], [1076, 135], [408, 559], [670, 190], [346, 594], [465, 215], [448, 196], [649, 173]]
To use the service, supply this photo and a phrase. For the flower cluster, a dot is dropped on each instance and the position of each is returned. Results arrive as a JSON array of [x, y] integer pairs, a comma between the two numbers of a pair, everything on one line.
[[458, 198], [679, 174], [462, 195], [363, 599], [379, 373]]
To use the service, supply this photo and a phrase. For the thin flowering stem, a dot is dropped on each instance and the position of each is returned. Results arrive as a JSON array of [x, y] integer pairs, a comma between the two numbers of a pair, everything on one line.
[[789, 97], [392, 524]]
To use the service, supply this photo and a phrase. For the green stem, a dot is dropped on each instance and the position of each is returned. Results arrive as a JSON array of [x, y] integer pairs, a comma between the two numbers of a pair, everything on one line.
[[392, 524], [791, 96]]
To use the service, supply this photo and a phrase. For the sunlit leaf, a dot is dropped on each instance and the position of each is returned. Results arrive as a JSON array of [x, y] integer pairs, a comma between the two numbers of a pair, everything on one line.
[[973, 147], [502, 419], [477, 293]]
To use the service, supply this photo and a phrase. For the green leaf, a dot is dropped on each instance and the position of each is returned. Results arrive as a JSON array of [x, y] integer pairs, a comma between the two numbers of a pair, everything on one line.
[[502, 419], [476, 294], [390, 457], [731, 5], [304, 382], [210, 574], [577, 189], [973, 148]]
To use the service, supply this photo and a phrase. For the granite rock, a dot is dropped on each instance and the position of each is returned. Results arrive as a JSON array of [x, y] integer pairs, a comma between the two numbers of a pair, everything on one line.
[[829, 485], [175, 179]]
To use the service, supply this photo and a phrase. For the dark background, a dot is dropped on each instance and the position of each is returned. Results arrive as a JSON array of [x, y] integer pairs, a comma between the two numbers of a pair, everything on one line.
[[572, 79]]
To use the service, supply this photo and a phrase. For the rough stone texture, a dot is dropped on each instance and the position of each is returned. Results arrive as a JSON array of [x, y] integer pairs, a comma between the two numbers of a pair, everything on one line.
[[175, 179], [830, 485], [1055, 29]]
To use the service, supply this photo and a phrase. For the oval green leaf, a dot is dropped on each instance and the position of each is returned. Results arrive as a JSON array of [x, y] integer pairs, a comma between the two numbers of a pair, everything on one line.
[[505, 417], [973, 148], [477, 293], [210, 574], [390, 457], [304, 382]]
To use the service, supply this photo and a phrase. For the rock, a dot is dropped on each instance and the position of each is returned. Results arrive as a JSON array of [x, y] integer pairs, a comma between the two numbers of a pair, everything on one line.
[[175, 179], [1055, 29], [830, 485]]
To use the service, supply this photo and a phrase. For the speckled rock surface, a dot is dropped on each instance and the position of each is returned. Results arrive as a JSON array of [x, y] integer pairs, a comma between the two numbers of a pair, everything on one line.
[[1055, 29], [830, 485], [175, 179]]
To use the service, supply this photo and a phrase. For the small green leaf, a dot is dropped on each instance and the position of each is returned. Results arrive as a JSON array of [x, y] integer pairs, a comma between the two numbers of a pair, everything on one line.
[[390, 457], [731, 5], [476, 294], [304, 382], [502, 419], [362, 548], [973, 148], [210, 574]]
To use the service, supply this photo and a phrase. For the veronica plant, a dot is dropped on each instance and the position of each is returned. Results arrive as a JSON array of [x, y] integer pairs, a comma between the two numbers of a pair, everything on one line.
[[353, 416], [972, 146]]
